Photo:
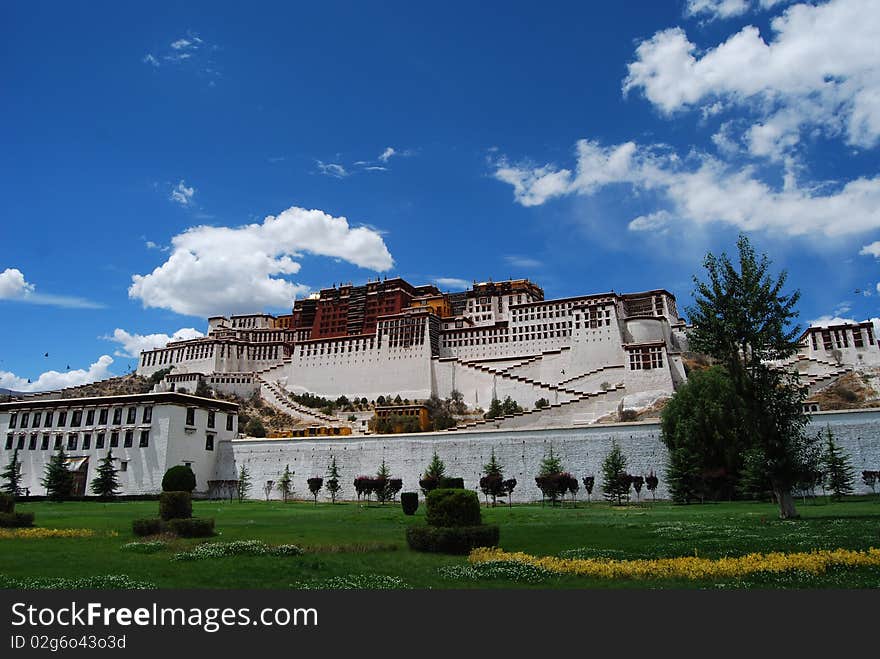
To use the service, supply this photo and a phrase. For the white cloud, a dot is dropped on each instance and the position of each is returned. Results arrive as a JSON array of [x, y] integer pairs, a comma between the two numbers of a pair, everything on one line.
[[13, 286], [151, 60], [134, 344], [819, 71], [181, 194], [452, 282], [716, 8], [181, 44], [650, 222], [702, 189], [523, 261], [872, 249], [49, 380], [332, 169], [827, 320], [218, 270], [385, 156]]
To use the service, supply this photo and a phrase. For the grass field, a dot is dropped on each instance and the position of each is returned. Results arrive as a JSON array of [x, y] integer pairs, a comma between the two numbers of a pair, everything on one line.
[[350, 539]]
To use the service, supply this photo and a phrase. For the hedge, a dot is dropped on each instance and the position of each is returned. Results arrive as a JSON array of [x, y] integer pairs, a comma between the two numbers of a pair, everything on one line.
[[196, 527], [179, 478], [7, 503], [410, 502], [16, 520], [175, 505], [147, 526], [450, 483], [452, 540], [448, 507]]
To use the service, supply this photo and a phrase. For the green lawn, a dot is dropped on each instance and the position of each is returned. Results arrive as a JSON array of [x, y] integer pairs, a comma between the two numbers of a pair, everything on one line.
[[348, 538]]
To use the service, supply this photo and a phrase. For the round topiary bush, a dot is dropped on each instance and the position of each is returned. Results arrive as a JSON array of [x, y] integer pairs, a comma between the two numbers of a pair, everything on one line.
[[452, 539], [410, 502], [179, 479], [448, 507], [175, 505]]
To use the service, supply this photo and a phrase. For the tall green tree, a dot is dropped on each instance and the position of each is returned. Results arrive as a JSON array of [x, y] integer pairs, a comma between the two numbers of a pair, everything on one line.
[[615, 479], [285, 483], [743, 319], [492, 482], [332, 485], [105, 483], [57, 479], [839, 472], [701, 428], [11, 476], [244, 483], [551, 464]]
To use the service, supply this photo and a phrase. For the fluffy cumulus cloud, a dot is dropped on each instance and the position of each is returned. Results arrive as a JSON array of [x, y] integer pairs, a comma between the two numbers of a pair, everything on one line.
[[131, 345], [830, 319], [13, 286], [722, 9], [51, 380], [182, 194], [701, 189], [221, 270], [819, 71]]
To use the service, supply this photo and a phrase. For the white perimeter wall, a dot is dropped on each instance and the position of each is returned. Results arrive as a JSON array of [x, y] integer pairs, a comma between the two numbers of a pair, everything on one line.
[[519, 452]]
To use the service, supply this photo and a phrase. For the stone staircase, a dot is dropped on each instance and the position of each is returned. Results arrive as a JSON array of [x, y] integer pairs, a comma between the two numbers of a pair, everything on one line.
[[277, 397], [540, 387], [611, 395], [595, 371]]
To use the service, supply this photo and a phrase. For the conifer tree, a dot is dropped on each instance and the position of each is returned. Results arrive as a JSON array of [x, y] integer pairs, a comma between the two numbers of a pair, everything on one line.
[[383, 491], [11, 476], [285, 483], [435, 471], [105, 484], [332, 485], [839, 474], [615, 480], [492, 483], [244, 483], [58, 480]]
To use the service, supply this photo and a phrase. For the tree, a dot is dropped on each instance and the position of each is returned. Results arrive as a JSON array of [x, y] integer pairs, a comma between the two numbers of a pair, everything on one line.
[[743, 320], [839, 474], [811, 473], [549, 479], [509, 486], [651, 482], [333, 486], [58, 480], [589, 483], [541, 403], [105, 483], [637, 483], [701, 428], [267, 489], [615, 480], [869, 478], [492, 483], [11, 476], [495, 409], [244, 483], [203, 390], [381, 487], [315, 484], [285, 483], [255, 428], [435, 471]]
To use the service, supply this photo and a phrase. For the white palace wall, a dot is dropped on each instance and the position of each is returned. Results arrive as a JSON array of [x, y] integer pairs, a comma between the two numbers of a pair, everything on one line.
[[519, 452]]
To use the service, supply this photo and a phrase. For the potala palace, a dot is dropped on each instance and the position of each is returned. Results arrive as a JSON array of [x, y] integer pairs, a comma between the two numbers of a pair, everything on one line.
[[590, 357]]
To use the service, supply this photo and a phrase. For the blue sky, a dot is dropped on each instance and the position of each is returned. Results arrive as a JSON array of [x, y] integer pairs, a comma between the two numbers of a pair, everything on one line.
[[586, 146]]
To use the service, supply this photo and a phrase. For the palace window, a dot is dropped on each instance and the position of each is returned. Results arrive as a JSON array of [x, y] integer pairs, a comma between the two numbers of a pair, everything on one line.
[[813, 337], [123, 465], [229, 422], [76, 419], [190, 416], [145, 439], [48, 423], [87, 441], [148, 414], [117, 416], [32, 442], [129, 439], [72, 441], [13, 419], [9, 440], [25, 417], [90, 418], [645, 359], [62, 419], [20, 444], [114, 440], [211, 418], [858, 341], [132, 415], [44, 443], [209, 442], [99, 440], [58, 439]]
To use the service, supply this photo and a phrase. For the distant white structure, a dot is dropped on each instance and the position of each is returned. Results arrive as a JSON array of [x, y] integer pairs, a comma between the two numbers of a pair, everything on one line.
[[582, 354], [147, 434], [853, 344]]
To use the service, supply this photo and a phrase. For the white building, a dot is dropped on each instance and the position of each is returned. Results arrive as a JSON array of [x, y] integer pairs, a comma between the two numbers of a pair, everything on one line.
[[146, 433]]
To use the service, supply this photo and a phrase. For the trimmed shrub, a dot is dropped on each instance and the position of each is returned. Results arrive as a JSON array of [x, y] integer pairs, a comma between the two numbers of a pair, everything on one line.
[[16, 520], [452, 540], [450, 483], [7, 503], [175, 505], [453, 507], [410, 502], [146, 526], [179, 479], [196, 527]]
